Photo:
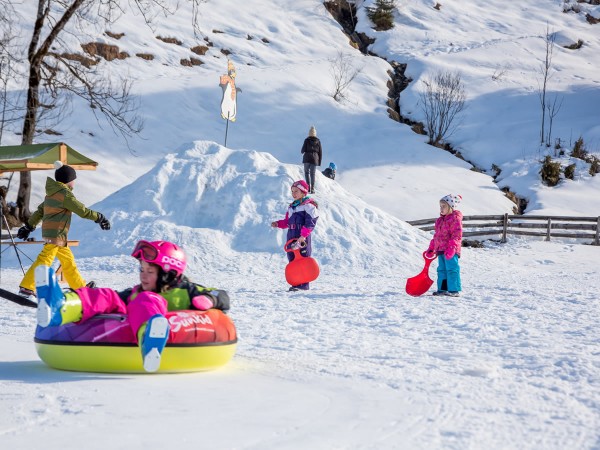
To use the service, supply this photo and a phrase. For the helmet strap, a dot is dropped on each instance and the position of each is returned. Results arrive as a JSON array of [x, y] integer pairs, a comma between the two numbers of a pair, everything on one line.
[[166, 279]]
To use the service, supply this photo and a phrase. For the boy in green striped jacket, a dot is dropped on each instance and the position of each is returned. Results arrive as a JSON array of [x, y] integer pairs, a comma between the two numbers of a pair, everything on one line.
[[55, 214]]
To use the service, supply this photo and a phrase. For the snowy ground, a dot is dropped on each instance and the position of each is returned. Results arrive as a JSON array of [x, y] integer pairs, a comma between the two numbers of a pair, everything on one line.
[[513, 363]]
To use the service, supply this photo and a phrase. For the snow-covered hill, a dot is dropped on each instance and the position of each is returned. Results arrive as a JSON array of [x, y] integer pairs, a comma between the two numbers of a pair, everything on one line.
[[219, 203], [283, 53]]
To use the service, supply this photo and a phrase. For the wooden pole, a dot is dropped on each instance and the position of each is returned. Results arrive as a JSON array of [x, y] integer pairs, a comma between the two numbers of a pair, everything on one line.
[[597, 240], [548, 229], [226, 128], [62, 153], [504, 227]]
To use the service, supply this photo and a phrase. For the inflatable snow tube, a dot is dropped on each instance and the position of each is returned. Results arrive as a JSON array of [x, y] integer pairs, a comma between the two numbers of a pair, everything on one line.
[[198, 340]]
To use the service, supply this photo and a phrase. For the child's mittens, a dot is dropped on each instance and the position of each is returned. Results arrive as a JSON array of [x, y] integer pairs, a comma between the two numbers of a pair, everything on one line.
[[430, 248], [103, 222], [202, 302], [24, 231], [449, 253]]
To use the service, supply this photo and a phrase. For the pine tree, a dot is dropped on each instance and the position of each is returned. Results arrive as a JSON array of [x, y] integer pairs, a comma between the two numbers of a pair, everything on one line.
[[382, 14]]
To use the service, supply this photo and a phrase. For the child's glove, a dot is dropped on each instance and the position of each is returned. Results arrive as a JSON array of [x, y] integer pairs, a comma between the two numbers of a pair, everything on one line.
[[202, 302], [430, 248], [24, 231], [449, 253], [103, 222]]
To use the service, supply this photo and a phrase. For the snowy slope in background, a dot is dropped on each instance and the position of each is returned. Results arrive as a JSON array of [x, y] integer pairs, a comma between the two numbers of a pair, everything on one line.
[[283, 51], [498, 48]]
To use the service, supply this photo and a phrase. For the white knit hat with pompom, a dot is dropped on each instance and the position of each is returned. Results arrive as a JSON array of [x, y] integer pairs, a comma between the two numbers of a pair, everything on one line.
[[452, 200]]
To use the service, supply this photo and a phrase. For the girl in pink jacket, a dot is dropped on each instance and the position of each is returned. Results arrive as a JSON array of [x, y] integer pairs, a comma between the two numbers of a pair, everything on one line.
[[446, 244], [163, 287]]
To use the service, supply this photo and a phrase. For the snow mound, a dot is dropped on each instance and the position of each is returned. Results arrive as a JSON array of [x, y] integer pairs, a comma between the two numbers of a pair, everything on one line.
[[218, 203]]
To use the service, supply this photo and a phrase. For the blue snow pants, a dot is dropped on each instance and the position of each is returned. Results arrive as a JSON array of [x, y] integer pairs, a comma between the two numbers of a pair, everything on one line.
[[448, 274]]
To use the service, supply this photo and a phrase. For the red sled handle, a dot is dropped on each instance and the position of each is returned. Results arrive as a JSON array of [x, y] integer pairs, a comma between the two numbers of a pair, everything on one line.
[[428, 260], [288, 244]]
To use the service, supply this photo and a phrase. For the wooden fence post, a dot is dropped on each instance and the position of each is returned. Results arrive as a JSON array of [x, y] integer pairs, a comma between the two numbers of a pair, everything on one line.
[[597, 240], [504, 228], [548, 229]]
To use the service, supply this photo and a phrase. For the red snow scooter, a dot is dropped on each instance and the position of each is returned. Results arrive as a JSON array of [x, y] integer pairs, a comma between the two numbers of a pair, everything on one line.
[[303, 269], [421, 283]]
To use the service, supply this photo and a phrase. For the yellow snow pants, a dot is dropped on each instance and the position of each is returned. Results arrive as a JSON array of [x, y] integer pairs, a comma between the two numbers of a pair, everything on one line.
[[46, 258]]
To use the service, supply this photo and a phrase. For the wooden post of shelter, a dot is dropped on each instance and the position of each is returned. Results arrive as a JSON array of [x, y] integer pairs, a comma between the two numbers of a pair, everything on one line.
[[62, 153]]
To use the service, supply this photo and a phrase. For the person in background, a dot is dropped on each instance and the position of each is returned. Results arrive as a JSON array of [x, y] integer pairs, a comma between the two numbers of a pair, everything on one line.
[[162, 288], [330, 171], [300, 220], [55, 214], [446, 243], [312, 151]]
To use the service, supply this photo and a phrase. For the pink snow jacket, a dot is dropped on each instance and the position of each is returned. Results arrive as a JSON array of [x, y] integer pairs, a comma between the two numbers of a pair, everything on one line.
[[447, 237]]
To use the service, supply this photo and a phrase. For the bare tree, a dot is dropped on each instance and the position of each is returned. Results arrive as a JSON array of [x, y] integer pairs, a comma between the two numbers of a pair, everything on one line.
[[6, 37], [343, 74], [441, 101], [6, 33], [553, 109], [54, 78], [499, 73], [9, 110], [8, 106], [545, 71]]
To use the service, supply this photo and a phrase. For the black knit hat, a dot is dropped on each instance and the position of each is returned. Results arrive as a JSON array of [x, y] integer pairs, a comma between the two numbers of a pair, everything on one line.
[[64, 174]]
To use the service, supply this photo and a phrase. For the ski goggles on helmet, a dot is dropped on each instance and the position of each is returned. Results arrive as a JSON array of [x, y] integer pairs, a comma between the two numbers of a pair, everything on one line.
[[166, 255], [145, 251]]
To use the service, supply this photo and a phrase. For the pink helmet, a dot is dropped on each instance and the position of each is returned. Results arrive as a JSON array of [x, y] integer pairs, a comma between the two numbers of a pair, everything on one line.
[[166, 255]]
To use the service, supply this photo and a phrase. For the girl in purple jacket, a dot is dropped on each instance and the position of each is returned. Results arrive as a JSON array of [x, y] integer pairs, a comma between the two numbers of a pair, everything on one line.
[[446, 244], [300, 220]]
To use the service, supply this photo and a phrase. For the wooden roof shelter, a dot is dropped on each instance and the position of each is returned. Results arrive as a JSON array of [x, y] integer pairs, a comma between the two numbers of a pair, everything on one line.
[[20, 158]]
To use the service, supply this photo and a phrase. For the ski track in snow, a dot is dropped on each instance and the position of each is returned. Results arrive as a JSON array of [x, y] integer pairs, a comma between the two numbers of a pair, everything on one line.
[[518, 350]]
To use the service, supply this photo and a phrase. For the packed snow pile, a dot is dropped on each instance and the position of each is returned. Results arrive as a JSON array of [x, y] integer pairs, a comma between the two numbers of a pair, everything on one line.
[[219, 203]]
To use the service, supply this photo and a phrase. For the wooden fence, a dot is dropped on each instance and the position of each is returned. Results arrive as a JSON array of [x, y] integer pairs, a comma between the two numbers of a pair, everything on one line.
[[503, 225]]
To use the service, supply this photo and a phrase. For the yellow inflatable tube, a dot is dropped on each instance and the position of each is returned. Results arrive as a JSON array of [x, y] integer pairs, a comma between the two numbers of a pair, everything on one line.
[[126, 358], [198, 341]]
